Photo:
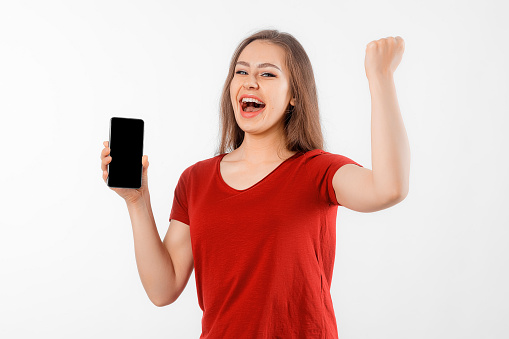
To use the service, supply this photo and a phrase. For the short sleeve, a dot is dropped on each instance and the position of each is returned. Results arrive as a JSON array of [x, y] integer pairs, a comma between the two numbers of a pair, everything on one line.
[[323, 165], [179, 209]]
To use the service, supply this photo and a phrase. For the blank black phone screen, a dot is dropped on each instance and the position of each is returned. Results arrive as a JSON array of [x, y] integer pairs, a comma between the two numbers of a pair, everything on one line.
[[126, 151]]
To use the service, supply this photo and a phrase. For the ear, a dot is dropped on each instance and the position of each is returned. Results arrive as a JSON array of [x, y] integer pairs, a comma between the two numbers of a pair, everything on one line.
[[292, 101]]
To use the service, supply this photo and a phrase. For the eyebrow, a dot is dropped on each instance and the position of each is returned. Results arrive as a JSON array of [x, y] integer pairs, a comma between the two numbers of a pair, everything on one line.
[[265, 64]]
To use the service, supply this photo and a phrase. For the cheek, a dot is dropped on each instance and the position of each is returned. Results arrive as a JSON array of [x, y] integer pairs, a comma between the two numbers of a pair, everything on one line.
[[234, 87]]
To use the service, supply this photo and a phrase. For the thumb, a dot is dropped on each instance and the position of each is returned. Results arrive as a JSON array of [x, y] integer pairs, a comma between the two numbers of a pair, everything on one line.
[[144, 161]]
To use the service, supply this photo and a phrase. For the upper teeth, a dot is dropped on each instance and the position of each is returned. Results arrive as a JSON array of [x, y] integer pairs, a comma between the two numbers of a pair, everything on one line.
[[251, 100]]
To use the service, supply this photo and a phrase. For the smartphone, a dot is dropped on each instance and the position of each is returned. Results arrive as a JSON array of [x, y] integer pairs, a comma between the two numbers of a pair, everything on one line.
[[126, 151]]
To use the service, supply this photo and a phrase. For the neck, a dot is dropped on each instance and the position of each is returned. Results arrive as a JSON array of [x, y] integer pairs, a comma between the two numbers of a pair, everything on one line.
[[257, 149]]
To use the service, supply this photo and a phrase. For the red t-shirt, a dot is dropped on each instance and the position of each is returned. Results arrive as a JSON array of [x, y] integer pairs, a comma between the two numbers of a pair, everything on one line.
[[263, 256]]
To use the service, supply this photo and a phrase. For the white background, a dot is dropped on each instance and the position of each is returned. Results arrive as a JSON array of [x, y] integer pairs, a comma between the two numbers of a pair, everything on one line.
[[433, 266]]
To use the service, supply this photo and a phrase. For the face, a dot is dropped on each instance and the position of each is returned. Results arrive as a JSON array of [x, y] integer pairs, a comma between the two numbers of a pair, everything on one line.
[[260, 74]]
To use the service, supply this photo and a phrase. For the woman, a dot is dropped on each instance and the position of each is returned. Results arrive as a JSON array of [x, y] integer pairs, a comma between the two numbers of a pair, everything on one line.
[[258, 223]]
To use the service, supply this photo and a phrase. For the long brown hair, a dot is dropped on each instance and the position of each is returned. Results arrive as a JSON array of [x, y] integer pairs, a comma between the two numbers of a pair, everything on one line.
[[301, 122]]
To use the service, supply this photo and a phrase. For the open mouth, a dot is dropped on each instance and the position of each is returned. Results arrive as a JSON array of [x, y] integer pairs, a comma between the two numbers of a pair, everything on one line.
[[251, 105]]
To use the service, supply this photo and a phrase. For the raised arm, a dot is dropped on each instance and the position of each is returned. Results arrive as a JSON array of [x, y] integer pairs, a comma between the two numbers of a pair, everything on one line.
[[387, 184]]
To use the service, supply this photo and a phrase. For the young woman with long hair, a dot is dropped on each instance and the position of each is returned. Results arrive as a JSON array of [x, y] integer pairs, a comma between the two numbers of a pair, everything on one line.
[[257, 221]]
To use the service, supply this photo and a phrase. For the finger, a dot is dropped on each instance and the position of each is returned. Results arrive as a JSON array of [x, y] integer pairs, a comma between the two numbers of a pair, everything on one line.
[[105, 152], [105, 176], [105, 162], [145, 164]]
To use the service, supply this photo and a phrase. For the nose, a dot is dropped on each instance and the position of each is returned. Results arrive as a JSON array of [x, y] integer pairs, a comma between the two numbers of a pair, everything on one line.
[[250, 83]]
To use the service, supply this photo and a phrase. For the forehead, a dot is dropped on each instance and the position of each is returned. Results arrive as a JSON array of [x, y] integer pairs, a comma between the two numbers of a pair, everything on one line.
[[260, 51]]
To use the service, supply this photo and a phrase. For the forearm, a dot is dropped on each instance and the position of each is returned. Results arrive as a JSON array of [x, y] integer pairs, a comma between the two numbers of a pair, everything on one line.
[[390, 149], [146, 198], [153, 260]]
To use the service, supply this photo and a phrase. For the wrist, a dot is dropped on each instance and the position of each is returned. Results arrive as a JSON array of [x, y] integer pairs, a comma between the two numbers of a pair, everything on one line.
[[381, 84], [381, 77], [135, 204], [145, 195]]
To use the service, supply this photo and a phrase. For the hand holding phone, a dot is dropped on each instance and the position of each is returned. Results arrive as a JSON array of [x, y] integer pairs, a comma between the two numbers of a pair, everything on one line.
[[124, 167]]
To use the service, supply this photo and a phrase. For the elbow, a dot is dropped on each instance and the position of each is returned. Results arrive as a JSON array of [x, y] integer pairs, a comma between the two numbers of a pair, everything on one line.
[[403, 192], [399, 195], [162, 302], [158, 304], [391, 193]]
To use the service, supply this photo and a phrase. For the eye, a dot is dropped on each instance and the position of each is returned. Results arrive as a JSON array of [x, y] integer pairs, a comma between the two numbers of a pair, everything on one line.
[[269, 75]]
